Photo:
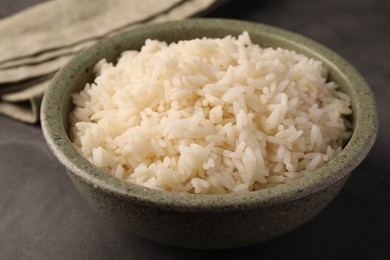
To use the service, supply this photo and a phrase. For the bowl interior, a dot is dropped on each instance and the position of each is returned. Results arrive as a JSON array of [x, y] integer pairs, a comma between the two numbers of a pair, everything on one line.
[[73, 77]]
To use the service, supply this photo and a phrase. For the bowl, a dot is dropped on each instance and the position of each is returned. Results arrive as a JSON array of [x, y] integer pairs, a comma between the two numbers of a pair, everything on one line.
[[207, 221]]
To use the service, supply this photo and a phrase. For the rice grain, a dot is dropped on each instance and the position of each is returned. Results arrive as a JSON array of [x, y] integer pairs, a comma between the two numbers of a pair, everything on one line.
[[210, 116]]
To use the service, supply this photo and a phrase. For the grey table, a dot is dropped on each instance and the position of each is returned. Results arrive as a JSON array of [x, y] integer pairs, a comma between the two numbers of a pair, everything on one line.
[[42, 216]]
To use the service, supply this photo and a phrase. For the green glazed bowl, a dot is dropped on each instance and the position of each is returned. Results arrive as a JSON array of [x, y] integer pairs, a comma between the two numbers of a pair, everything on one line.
[[208, 221]]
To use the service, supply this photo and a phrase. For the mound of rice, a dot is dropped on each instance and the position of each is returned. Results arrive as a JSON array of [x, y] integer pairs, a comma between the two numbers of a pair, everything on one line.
[[210, 116]]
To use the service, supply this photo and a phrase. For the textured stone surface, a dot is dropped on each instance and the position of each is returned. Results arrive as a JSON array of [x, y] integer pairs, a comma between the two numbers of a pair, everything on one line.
[[44, 217]]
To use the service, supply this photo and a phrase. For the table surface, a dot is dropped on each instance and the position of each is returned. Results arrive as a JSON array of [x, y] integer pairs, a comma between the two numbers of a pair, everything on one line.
[[42, 215]]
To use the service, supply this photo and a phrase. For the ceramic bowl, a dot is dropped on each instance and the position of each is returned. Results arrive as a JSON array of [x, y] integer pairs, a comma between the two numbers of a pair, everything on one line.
[[207, 221]]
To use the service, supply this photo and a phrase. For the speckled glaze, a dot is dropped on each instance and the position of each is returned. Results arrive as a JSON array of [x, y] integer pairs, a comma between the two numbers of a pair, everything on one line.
[[208, 221]]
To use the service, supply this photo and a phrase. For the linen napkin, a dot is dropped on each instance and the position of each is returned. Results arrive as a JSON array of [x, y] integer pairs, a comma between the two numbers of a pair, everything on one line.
[[38, 41]]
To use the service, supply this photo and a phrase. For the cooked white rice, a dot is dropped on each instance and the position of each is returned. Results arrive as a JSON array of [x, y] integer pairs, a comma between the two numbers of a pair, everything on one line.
[[210, 116]]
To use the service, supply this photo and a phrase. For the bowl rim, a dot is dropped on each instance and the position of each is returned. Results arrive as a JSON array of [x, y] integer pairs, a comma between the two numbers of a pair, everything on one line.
[[362, 139]]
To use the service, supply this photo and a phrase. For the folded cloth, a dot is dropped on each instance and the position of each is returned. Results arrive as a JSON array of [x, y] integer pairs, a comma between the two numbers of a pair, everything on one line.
[[24, 105], [40, 40], [59, 23], [45, 56]]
